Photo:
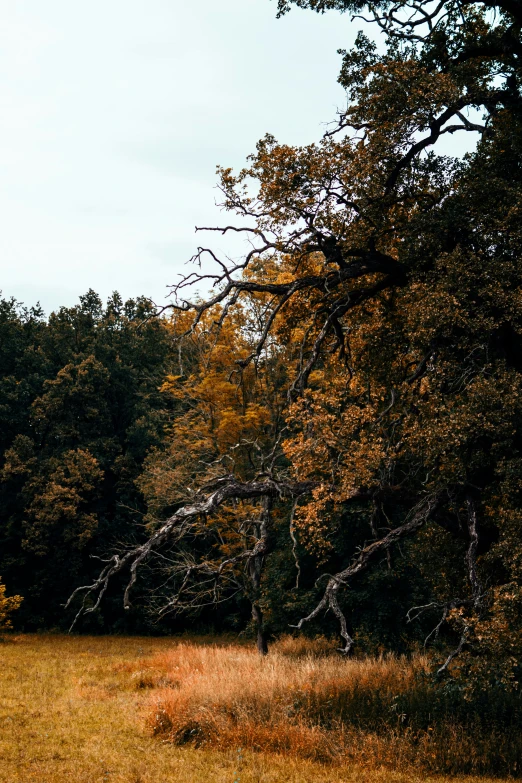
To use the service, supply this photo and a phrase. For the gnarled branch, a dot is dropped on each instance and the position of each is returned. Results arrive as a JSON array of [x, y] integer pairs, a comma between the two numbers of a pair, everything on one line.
[[178, 526], [417, 518]]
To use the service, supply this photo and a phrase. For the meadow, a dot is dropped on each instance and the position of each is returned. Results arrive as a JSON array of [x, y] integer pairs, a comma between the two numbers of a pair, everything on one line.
[[156, 710]]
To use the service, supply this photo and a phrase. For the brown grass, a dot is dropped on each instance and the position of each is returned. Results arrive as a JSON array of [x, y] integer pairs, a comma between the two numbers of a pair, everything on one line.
[[72, 709], [299, 701]]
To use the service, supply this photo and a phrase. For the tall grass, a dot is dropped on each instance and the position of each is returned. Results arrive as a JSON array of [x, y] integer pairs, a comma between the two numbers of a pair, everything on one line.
[[300, 700]]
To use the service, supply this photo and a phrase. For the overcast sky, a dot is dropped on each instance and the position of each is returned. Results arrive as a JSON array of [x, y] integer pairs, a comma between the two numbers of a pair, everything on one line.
[[114, 116]]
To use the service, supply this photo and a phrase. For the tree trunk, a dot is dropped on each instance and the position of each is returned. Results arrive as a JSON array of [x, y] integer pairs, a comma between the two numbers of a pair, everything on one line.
[[255, 568], [257, 615]]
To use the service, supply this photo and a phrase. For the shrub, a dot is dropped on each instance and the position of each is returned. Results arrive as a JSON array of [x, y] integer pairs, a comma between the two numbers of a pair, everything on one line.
[[7, 606]]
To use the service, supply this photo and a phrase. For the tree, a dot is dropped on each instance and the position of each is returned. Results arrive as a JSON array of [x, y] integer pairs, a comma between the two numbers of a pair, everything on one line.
[[80, 407], [399, 270], [224, 430], [8, 605]]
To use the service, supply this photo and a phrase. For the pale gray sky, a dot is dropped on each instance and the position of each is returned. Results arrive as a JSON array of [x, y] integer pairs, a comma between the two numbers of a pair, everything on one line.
[[114, 116]]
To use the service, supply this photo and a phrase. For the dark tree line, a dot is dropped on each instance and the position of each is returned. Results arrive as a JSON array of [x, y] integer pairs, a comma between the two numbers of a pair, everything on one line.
[[101, 439], [79, 409]]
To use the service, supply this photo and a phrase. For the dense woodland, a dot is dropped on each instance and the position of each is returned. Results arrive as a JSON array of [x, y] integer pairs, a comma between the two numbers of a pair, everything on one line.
[[103, 434], [331, 440], [80, 408]]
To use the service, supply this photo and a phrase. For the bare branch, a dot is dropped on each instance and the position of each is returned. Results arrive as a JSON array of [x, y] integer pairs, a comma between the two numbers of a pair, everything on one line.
[[176, 528], [477, 593], [291, 528], [436, 129], [417, 518]]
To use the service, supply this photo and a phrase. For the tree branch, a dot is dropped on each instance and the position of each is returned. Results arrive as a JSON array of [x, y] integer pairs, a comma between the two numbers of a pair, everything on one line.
[[175, 528], [418, 517]]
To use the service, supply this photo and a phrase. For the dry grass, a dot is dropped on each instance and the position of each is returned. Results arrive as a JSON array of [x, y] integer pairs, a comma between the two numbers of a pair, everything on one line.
[[302, 702], [72, 709]]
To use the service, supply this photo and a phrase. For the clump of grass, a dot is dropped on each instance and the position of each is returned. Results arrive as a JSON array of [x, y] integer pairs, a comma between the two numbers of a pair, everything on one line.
[[305, 647], [375, 712]]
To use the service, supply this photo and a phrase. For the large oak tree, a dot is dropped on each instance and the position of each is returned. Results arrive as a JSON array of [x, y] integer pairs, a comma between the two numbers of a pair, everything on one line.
[[396, 271]]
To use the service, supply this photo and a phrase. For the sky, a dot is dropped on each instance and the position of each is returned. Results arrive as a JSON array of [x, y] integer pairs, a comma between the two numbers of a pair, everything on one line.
[[115, 114]]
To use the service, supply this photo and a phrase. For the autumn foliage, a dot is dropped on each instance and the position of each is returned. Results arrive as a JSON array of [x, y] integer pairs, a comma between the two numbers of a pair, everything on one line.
[[8, 605], [355, 385]]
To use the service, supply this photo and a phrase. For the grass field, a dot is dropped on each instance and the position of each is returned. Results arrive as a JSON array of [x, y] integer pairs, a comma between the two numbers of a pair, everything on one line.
[[79, 709]]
